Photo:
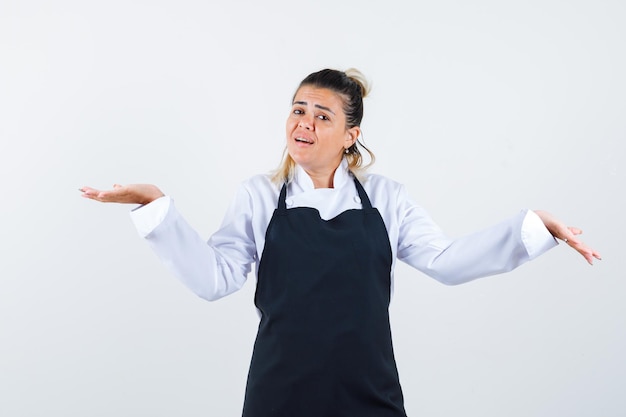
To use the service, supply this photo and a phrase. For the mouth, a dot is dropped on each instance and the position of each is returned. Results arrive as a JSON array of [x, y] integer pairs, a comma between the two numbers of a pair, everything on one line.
[[303, 140]]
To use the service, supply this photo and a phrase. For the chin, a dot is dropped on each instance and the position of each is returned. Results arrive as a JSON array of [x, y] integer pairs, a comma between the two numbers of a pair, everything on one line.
[[297, 158]]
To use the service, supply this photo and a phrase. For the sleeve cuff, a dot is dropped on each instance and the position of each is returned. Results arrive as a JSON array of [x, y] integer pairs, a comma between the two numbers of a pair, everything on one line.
[[147, 217], [535, 236]]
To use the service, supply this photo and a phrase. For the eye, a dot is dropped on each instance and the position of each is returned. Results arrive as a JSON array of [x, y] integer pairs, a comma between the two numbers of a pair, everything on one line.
[[323, 117], [298, 111]]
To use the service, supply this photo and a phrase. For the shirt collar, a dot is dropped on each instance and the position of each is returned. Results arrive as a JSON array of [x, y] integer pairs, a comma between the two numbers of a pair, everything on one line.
[[305, 183]]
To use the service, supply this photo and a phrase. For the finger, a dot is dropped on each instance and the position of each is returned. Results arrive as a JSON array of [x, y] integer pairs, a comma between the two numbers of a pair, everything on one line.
[[106, 196], [569, 234], [585, 252], [588, 253], [117, 195], [575, 230], [89, 192], [569, 238]]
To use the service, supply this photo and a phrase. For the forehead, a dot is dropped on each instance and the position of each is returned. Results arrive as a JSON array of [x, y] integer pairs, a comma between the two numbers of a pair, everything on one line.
[[322, 96]]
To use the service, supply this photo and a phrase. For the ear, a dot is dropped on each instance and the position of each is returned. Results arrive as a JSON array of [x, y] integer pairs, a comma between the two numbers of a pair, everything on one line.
[[352, 135]]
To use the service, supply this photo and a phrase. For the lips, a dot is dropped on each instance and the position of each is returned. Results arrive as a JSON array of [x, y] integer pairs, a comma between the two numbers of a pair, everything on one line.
[[303, 140]]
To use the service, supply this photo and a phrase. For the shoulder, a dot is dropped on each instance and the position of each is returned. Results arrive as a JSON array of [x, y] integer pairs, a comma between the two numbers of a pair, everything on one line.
[[258, 181], [260, 187], [388, 195], [380, 184], [255, 198]]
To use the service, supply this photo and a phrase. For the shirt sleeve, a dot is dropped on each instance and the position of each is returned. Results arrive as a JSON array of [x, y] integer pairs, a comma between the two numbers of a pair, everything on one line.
[[496, 249], [210, 269], [147, 217], [535, 236]]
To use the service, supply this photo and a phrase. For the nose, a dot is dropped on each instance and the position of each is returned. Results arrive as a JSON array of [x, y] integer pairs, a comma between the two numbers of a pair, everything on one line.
[[306, 122]]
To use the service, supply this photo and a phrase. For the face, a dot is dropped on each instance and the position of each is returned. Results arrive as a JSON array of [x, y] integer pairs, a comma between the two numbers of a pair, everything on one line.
[[317, 135]]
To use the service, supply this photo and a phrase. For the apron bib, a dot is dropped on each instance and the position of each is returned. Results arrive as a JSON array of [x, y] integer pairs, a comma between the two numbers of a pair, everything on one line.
[[323, 347]]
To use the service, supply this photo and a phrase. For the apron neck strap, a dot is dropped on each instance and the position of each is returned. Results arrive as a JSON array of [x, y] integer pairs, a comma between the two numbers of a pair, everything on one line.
[[282, 197], [365, 200]]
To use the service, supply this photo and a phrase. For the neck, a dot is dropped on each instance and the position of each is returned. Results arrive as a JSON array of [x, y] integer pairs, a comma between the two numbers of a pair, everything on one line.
[[322, 179]]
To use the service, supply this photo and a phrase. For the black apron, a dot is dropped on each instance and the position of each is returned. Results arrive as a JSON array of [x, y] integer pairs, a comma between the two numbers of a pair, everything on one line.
[[323, 347]]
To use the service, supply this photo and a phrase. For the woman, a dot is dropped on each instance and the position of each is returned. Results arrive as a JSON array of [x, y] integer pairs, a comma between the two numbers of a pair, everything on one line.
[[324, 236]]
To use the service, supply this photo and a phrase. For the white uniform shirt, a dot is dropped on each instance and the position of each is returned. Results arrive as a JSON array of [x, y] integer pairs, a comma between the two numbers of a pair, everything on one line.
[[220, 266]]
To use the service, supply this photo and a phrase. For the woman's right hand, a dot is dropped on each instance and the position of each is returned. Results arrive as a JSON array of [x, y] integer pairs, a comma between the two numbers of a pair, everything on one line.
[[129, 194]]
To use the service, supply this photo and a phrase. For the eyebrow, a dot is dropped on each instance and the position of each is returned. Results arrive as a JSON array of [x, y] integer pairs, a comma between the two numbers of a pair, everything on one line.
[[304, 103]]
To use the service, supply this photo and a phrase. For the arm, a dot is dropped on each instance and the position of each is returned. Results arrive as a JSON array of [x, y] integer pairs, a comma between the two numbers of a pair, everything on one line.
[[499, 248], [211, 269], [494, 250]]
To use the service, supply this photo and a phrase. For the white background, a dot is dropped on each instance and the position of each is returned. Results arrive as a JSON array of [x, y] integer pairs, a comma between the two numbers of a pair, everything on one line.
[[481, 108]]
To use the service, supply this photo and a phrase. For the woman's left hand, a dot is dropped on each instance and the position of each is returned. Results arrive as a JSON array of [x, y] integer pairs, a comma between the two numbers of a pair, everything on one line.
[[567, 234]]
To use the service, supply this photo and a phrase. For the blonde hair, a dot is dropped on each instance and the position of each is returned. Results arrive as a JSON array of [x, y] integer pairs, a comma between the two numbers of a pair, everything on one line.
[[352, 86]]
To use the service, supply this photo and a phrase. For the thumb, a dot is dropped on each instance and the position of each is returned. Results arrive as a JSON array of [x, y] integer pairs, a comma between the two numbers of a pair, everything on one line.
[[575, 230]]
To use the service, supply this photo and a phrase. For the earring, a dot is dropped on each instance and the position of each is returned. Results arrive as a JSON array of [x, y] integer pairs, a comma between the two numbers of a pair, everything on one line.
[[347, 151]]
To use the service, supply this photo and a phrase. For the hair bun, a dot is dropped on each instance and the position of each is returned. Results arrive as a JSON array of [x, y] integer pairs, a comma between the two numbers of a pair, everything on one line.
[[358, 77]]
